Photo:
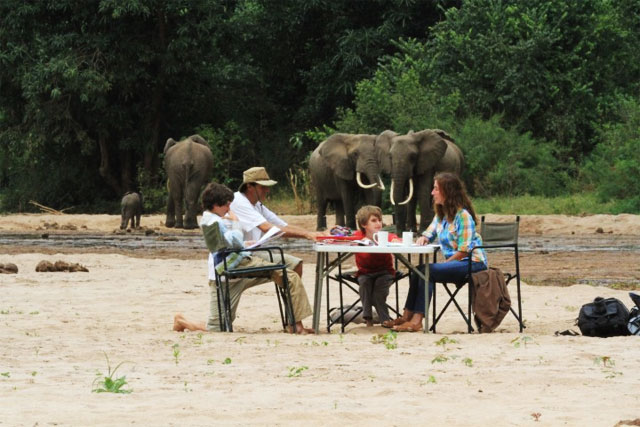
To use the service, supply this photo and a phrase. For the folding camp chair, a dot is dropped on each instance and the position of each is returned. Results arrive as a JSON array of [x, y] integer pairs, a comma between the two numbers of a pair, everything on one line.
[[282, 292], [495, 235], [349, 280]]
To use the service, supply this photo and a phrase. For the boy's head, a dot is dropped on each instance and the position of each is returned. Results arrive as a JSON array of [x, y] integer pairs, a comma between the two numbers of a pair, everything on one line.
[[365, 213], [216, 194]]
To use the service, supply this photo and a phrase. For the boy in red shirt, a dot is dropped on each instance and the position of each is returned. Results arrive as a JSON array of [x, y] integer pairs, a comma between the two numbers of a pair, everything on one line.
[[375, 271]]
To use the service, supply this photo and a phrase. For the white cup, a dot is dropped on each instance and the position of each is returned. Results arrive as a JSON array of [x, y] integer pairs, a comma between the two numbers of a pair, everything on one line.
[[381, 238], [407, 238]]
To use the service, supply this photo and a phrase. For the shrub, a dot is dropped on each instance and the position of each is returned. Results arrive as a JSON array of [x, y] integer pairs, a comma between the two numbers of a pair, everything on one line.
[[614, 166], [500, 161]]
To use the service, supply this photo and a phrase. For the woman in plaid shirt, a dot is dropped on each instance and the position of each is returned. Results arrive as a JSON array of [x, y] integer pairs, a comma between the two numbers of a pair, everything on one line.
[[454, 226]]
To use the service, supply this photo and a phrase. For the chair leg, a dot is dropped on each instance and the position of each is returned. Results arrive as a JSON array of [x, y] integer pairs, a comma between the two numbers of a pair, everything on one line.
[[288, 302]]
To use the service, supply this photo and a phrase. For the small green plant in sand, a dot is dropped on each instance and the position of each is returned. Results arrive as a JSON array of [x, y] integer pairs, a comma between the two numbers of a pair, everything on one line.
[[430, 380], [446, 340], [440, 358], [607, 364], [389, 340], [240, 340], [176, 352], [468, 362], [521, 341], [227, 361], [6, 374], [295, 371], [198, 339], [107, 383]]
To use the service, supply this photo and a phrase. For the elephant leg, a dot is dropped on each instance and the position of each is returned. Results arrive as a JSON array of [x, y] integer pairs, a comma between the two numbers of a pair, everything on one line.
[[170, 220], [177, 204], [123, 219], [321, 205], [424, 200], [411, 212], [339, 208], [401, 218], [137, 222], [191, 196], [349, 196]]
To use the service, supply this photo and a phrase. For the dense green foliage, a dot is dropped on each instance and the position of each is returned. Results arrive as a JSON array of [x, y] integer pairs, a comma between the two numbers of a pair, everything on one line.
[[542, 96]]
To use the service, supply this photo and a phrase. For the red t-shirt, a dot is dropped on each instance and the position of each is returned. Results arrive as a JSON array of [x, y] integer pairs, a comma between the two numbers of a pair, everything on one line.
[[374, 263]]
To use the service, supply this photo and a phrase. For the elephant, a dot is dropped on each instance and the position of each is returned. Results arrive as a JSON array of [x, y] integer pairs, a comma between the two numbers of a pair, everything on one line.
[[413, 160], [344, 170], [131, 210], [189, 166]]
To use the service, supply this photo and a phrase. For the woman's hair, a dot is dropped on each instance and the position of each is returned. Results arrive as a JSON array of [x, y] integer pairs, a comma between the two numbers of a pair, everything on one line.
[[364, 213], [455, 196], [216, 194]]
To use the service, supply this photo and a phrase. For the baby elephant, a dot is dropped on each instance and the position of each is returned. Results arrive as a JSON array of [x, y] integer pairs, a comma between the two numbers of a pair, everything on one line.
[[131, 210]]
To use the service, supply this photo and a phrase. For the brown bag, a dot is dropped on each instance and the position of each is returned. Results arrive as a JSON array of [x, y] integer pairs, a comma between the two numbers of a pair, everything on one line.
[[491, 301]]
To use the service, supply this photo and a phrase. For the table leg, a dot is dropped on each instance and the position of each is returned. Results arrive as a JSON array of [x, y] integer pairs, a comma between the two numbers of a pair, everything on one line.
[[317, 294]]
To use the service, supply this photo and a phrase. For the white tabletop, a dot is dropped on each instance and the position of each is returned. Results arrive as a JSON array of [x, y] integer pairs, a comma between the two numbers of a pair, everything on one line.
[[393, 248]]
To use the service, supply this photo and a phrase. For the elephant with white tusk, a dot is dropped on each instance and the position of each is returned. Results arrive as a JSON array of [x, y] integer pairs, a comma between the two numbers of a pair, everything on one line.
[[189, 166], [344, 170], [414, 159]]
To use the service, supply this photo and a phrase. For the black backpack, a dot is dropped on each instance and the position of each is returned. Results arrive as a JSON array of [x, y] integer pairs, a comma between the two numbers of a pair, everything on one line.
[[604, 317]]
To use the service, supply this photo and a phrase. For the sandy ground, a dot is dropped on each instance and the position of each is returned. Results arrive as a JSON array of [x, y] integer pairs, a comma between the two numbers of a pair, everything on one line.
[[57, 328]]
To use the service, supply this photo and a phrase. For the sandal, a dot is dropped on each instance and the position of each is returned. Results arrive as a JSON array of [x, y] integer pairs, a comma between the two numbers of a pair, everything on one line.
[[391, 322], [407, 327]]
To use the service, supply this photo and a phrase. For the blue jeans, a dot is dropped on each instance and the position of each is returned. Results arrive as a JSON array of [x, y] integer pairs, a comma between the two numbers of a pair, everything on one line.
[[448, 272]]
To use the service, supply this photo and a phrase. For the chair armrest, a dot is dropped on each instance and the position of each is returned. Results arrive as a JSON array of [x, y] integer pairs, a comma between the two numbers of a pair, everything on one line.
[[267, 249]]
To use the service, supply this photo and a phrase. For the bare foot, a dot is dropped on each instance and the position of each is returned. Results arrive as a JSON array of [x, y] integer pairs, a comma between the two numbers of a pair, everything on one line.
[[300, 329], [178, 322]]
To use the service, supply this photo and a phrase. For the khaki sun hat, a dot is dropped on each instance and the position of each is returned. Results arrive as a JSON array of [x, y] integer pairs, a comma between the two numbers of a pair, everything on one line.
[[257, 175]]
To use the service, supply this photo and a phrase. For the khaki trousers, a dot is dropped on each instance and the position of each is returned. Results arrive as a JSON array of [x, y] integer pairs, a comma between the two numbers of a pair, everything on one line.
[[299, 299]]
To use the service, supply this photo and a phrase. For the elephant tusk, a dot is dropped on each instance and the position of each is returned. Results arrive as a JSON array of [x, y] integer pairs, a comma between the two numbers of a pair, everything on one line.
[[410, 192], [393, 202], [380, 183], [361, 184]]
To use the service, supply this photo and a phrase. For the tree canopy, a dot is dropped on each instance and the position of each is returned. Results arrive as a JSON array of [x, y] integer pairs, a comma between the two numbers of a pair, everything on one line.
[[91, 90]]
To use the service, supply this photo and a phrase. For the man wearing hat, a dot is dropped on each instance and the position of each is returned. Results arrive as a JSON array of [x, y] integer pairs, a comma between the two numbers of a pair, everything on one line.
[[256, 219]]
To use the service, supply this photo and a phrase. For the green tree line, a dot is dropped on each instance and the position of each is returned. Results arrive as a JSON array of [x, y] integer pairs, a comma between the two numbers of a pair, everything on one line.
[[542, 96]]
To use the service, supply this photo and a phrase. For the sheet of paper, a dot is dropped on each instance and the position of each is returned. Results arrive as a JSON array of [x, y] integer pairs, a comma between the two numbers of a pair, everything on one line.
[[273, 233]]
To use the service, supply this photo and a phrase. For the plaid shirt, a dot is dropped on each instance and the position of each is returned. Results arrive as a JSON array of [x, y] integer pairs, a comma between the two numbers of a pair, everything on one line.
[[458, 236]]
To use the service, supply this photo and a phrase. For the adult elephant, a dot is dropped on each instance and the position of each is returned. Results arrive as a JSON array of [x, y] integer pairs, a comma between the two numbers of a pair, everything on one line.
[[414, 159], [189, 165], [344, 170]]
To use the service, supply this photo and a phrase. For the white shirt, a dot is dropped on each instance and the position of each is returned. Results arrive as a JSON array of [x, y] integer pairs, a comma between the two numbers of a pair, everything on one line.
[[251, 216]]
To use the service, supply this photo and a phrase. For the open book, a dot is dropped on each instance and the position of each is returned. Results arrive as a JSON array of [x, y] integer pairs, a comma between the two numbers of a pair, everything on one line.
[[274, 232]]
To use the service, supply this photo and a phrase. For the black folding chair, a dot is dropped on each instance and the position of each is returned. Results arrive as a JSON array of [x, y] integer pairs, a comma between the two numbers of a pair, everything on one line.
[[349, 279], [282, 292], [495, 235]]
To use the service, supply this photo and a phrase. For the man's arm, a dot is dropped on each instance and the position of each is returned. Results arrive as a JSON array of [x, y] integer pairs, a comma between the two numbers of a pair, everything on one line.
[[291, 231]]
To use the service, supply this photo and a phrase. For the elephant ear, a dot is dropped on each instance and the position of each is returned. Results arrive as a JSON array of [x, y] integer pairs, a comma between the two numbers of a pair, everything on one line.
[[200, 140], [444, 134], [431, 148], [383, 146], [339, 151], [170, 143]]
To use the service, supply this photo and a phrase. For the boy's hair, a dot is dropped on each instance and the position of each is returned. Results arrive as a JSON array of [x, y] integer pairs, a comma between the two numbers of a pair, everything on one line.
[[216, 194], [364, 213]]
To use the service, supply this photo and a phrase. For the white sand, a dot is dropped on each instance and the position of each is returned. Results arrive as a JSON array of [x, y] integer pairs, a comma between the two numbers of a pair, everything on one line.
[[56, 327]]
